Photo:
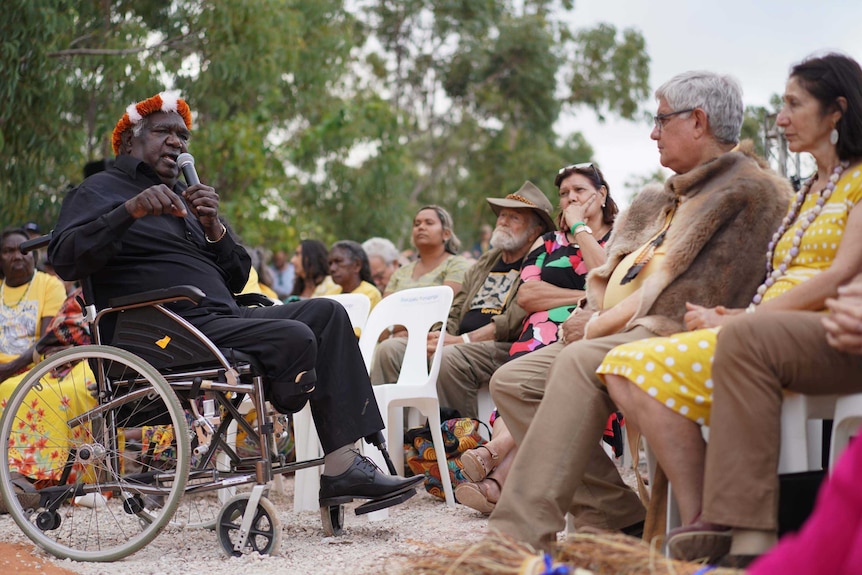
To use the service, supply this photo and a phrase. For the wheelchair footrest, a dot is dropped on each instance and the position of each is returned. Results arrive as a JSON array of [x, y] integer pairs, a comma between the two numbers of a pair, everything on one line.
[[378, 504]]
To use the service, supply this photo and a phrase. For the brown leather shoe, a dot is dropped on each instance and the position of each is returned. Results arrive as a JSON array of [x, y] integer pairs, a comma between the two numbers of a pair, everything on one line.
[[474, 496], [474, 466], [699, 541]]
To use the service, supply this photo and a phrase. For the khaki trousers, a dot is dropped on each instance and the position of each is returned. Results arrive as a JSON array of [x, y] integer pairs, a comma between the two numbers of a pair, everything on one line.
[[464, 369], [557, 410], [757, 357]]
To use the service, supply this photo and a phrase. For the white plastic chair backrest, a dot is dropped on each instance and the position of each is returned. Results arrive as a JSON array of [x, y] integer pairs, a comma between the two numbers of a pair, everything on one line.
[[417, 309], [357, 305]]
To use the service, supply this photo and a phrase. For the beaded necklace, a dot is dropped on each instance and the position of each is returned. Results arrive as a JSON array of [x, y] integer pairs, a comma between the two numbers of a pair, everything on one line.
[[20, 299], [773, 274]]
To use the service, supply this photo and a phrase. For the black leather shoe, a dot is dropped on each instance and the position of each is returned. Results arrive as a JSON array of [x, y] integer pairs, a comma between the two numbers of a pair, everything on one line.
[[363, 480]]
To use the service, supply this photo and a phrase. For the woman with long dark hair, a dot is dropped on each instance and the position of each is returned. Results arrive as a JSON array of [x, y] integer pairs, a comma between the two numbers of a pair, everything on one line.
[[311, 264]]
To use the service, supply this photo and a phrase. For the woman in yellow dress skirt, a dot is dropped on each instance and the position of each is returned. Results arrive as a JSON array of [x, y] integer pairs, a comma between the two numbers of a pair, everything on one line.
[[664, 385], [29, 300]]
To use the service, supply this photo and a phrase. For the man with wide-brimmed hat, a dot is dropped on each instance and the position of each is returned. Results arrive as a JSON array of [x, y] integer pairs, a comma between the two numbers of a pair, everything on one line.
[[485, 318], [136, 227]]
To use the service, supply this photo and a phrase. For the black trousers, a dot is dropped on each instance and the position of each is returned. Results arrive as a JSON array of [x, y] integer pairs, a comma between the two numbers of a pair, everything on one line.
[[292, 338]]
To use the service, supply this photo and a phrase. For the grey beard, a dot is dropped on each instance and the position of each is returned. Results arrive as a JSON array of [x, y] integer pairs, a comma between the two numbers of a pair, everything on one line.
[[507, 241]]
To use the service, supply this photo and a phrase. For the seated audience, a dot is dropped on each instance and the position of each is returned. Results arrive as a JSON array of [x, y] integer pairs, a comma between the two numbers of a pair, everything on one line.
[[29, 300], [283, 275], [554, 276], [383, 257], [554, 273], [436, 245], [484, 318], [311, 266], [136, 227], [259, 277], [677, 243], [668, 388], [349, 269], [483, 244]]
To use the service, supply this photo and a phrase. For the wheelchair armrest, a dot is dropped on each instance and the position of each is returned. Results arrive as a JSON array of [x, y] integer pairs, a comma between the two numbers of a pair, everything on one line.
[[173, 293], [252, 300]]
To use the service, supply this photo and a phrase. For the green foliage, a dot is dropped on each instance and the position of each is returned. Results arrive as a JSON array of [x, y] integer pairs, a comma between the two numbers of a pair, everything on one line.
[[635, 184], [610, 75], [313, 118]]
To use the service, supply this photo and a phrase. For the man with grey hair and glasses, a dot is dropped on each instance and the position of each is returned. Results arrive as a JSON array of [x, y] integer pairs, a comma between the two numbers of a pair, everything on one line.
[[700, 238], [383, 259]]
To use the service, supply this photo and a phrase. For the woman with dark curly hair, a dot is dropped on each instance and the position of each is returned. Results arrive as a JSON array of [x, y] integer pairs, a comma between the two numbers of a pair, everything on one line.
[[351, 272]]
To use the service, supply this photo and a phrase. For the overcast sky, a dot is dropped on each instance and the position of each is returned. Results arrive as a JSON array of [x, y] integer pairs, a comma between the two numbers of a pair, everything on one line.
[[754, 40]]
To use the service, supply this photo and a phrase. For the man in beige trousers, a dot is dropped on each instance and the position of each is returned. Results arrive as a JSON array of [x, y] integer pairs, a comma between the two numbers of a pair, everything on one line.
[[676, 244]]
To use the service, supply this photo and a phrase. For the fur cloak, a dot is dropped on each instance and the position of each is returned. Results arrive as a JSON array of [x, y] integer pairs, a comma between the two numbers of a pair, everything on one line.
[[728, 210]]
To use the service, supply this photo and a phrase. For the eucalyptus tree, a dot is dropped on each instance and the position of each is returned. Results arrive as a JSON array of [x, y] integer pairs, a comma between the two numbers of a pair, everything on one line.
[[319, 118]]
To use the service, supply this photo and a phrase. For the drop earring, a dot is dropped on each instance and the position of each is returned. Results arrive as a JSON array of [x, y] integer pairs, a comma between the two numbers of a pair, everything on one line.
[[833, 137]]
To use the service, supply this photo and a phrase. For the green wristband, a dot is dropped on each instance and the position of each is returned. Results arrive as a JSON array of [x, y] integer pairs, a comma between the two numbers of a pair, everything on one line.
[[575, 226]]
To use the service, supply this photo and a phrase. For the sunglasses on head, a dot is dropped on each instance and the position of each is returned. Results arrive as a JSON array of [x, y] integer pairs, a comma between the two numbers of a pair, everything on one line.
[[583, 166]]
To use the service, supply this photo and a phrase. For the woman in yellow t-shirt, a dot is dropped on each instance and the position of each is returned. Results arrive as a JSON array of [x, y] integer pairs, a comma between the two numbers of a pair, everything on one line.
[[351, 272], [29, 300]]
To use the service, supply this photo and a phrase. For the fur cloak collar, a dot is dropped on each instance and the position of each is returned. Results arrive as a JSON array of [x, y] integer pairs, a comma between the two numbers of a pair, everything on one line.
[[728, 209]]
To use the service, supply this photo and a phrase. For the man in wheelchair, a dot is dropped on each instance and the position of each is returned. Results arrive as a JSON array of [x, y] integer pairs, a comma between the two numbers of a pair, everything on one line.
[[135, 227]]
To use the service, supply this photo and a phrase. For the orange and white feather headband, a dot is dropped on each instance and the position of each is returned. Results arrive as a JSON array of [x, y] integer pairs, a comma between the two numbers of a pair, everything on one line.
[[168, 101]]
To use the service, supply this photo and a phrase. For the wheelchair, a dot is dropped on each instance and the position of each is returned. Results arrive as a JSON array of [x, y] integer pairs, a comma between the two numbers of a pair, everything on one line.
[[156, 448]]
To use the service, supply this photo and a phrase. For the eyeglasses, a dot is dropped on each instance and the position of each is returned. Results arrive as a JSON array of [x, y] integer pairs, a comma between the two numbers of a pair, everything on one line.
[[660, 118], [583, 166]]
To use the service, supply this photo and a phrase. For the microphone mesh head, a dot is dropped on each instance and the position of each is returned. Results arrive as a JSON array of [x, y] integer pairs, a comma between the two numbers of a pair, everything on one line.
[[184, 159]]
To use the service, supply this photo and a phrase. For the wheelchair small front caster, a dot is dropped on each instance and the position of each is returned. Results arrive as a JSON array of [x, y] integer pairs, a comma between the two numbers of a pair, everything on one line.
[[332, 518], [264, 535]]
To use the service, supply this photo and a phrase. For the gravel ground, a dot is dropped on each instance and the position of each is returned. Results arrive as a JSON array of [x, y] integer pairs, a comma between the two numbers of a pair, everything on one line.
[[364, 547]]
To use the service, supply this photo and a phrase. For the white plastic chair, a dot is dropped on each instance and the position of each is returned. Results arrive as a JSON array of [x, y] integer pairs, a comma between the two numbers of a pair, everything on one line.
[[802, 431], [486, 407], [306, 442], [417, 309], [801, 439], [845, 425], [357, 305]]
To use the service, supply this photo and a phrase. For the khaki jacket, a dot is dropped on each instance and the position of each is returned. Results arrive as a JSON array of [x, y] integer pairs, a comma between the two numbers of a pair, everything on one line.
[[507, 325]]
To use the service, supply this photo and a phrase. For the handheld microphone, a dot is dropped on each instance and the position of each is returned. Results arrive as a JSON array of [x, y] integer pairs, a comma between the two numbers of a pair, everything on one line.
[[186, 162]]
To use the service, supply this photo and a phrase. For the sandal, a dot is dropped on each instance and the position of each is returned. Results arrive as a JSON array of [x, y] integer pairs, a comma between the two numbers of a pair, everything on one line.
[[474, 466], [475, 497]]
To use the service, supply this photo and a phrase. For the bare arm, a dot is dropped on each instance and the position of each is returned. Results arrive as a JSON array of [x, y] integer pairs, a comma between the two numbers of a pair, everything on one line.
[[540, 295], [809, 295], [615, 318], [592, 252], [24, 360], [484, 333], [456, 286]]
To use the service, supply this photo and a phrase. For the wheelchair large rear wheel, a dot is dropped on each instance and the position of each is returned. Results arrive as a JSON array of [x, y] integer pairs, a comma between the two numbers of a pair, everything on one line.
[[98, 466]]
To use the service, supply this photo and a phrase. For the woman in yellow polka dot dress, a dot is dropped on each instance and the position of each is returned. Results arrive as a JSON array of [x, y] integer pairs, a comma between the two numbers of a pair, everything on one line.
[[814, 251]]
